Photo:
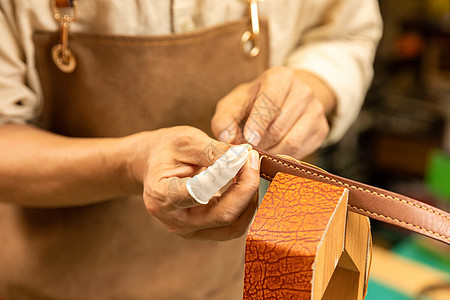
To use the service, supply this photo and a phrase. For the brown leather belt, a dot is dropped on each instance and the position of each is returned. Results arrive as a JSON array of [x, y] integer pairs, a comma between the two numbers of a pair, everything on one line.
[[367, 200]]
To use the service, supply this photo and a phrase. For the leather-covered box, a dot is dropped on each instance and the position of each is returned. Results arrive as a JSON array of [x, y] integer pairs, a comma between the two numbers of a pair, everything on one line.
[[304, 244]]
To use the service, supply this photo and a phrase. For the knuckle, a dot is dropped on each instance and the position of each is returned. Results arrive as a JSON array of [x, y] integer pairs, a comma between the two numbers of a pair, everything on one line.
[[308, 92], [185, 137], [319, 108], [232, 96], [325, 129], [217, 123], [184, 129], [155, 201], [221, 104], [253, 187], [228, 218], [173, 230], [149, 202], [276, 132], [237, 231], [242, 87], [279, 71], [304, 92], [182, 141], [214, 150], [177, 230], [151, 209], [293, 144]]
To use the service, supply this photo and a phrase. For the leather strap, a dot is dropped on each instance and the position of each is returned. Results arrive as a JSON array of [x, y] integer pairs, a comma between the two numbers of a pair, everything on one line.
[[64, 3], [367, 200]]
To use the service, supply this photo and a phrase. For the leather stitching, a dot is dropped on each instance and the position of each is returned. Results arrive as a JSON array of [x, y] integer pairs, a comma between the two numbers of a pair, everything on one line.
[[400, 221], [265, 176], [359, 188], [372, 192]]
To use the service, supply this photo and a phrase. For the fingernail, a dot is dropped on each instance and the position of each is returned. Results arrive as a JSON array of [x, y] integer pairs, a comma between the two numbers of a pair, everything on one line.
[[226, 136], [253, 159], [252, 136]]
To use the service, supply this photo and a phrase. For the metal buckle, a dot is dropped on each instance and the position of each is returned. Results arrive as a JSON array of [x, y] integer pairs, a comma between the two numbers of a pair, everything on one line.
[[62, 56]]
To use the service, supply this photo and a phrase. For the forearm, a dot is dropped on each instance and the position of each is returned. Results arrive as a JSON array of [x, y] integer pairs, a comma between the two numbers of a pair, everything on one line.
[[41, 169], [340, 52]]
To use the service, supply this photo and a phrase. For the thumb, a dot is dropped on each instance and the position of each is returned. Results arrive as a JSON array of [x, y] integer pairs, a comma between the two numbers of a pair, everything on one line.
[[194, 147], [210, 152]]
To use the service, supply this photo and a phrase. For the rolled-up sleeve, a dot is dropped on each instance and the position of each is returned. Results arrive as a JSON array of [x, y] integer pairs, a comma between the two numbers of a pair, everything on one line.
[[17, 101], [340, 51]]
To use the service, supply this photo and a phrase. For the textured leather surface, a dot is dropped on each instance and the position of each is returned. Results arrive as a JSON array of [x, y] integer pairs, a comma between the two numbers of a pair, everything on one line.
[[370, 201], [285, 235]]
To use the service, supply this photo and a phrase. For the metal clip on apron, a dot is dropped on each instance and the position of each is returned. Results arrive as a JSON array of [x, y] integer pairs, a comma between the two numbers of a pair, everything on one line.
[[61, 54], [65, 60]]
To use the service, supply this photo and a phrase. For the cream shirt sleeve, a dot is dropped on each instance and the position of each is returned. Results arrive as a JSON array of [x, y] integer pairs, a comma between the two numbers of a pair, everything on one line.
[[17, 101], [340, 51]]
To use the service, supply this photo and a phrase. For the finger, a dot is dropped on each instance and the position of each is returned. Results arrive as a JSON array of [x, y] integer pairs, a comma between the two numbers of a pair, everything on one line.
[[197, 148], [294, 107], [178, 195], [307, 135], [268, 103], [236, 230], [168, 195], [232, 111]]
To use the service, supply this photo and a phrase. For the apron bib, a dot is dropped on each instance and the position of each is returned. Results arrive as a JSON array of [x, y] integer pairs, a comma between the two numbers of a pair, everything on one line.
[[123, 85], [115, 249]]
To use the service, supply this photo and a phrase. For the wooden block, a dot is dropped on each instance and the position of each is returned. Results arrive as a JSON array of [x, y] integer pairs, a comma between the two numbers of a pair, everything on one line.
[[303, 244]]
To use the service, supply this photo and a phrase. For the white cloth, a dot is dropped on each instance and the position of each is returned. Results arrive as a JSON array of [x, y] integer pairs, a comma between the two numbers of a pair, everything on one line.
[[333, 39], [203, 186]]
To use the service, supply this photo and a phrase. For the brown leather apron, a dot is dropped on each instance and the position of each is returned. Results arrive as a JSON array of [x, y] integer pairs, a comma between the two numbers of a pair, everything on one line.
[[115, 249]]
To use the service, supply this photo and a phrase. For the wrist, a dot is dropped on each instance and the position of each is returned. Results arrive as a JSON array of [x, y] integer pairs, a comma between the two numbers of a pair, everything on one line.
[[135, 150]]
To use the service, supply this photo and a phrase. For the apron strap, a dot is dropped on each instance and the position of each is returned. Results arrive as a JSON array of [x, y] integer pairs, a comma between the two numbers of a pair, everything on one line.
[[64, 3]]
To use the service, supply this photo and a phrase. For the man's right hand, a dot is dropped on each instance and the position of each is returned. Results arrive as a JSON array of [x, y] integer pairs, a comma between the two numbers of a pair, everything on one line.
[[175, 155]]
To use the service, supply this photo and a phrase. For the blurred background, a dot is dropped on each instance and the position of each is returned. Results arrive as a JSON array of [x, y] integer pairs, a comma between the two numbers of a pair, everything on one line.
[[401, 142]]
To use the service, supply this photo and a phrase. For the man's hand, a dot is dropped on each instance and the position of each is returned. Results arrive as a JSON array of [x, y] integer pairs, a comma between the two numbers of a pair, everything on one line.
[[179, 154], [279, 111]]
